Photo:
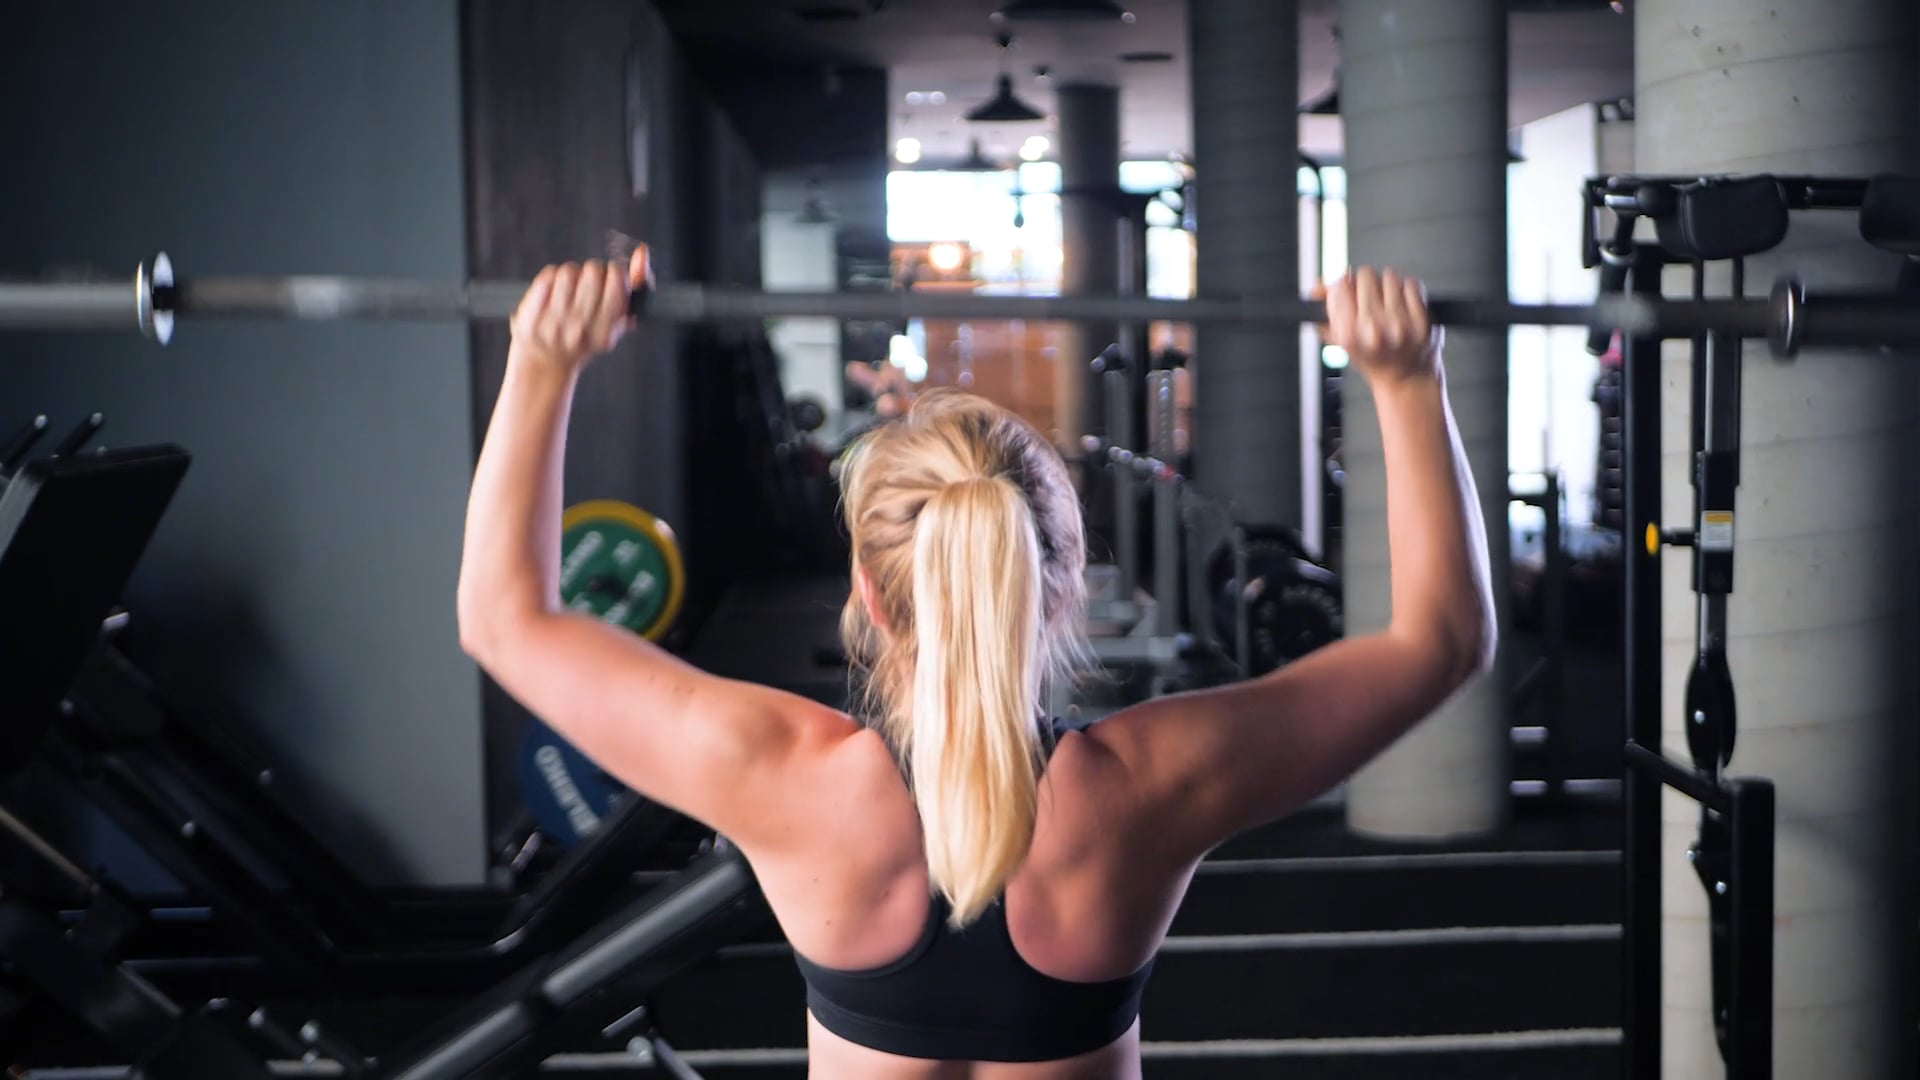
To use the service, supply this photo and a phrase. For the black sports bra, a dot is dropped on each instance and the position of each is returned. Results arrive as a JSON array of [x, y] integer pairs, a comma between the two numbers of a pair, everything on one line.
[[967, 995]]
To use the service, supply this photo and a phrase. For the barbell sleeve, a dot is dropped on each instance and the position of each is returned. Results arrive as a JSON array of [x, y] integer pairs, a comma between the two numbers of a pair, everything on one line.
[[68, 306]]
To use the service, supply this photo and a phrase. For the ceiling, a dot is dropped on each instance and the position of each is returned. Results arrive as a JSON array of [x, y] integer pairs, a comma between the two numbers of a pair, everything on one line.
[[1559, 59]]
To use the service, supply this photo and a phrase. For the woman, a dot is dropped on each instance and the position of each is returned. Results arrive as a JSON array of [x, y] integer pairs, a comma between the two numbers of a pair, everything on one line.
[[970, 892]]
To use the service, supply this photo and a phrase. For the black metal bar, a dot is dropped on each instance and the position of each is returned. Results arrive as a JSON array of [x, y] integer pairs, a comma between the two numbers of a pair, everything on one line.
[[1832, 321], [15, 450], [1855, 320], [186, 850], [1749, 1046], [1693, 783], [27, 306], [1120, 381], [86, 429], [1242, 607], [20, 833], [1801, 192], [511, 1027], [1640, 475], [1166, 505], [1554, 612]]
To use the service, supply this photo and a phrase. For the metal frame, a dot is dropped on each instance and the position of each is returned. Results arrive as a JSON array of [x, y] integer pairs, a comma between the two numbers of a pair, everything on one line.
[[1542, 687], [1640, 474], [1733, 855]]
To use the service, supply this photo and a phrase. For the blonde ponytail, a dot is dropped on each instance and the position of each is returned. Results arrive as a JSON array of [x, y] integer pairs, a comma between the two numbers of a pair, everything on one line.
[[974, 754], [967, 539]]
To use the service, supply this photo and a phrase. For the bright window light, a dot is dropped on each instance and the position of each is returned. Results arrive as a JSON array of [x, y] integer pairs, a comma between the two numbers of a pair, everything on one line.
[[902, 354], [946, 258]]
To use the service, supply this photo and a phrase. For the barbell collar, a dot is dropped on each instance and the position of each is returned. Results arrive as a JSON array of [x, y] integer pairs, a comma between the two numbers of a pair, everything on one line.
[[1784, 310]]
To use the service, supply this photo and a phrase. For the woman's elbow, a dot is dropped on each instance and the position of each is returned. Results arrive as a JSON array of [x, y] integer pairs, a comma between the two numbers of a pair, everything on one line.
[[1481, 650], [1474, 645], [475, 639], [481, 626]]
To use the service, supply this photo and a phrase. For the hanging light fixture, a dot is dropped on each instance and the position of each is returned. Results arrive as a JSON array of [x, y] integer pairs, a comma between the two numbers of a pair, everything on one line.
[[1327, 104], [1003, 107]]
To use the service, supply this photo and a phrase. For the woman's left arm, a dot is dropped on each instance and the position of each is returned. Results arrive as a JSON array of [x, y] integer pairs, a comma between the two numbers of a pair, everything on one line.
[[712, 748]]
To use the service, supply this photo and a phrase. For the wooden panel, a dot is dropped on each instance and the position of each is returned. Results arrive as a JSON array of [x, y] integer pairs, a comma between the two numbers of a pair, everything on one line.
[[582, 118]]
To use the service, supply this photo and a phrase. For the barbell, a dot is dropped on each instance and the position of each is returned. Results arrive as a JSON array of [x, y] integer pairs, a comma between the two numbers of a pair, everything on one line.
[[153, 299]]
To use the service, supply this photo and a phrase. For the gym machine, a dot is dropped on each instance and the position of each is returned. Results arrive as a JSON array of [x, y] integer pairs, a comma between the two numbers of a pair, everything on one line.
[[1258, 600], [51, 622], [78, 946], [1698, 221], [194, 797]]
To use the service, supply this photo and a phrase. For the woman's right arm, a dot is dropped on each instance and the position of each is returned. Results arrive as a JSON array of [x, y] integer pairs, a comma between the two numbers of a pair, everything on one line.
[[1211, 763]]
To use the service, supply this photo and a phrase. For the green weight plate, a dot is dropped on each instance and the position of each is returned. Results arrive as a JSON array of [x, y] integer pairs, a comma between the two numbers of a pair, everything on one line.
[[621, 565]]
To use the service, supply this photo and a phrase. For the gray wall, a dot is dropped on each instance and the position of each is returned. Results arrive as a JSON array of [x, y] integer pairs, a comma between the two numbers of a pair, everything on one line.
[[302, 584]]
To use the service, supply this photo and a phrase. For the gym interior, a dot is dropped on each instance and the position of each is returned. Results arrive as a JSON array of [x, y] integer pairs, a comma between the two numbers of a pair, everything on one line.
[[261, 815]]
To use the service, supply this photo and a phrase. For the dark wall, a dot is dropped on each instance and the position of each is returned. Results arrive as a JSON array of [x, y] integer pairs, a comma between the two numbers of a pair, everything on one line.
[[302, 584], [816, 122], [582, 117]]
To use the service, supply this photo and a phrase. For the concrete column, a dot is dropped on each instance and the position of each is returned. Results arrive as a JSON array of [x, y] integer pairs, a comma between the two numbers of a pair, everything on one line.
[[1424, 100], [1245, 63], [1821, 634], [1089, 118]]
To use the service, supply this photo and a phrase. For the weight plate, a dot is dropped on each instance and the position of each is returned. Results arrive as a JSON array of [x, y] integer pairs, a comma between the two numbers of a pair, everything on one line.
[[567, 795], [1293, 604], [621, 565]]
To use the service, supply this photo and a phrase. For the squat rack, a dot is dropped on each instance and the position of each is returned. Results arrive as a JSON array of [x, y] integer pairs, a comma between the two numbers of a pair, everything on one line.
[[1697, 221]]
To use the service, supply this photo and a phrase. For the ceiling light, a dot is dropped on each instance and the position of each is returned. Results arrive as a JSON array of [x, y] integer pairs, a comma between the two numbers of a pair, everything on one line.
[[1003, 107], [1034, 148], [915, 97], [936, 97], [907, 151]]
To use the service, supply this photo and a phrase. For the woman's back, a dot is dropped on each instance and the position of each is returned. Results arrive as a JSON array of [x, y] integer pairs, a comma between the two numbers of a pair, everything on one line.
[[1071, 940]]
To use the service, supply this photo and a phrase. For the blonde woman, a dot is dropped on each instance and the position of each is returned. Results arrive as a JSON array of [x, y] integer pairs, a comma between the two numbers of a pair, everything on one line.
[[969, 890]]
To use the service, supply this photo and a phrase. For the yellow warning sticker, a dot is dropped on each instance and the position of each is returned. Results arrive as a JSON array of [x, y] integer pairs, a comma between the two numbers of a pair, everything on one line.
[[1716, 530]]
